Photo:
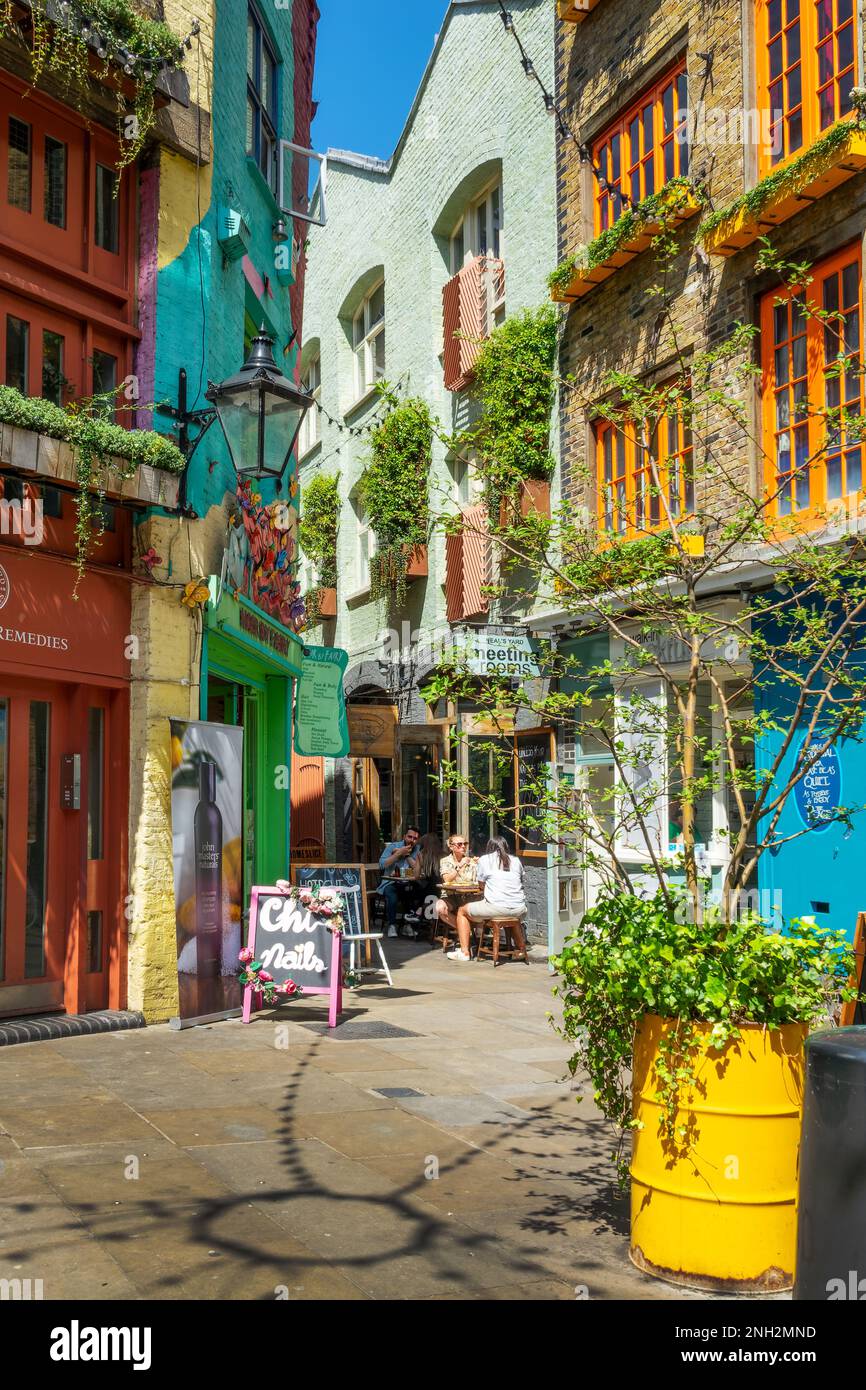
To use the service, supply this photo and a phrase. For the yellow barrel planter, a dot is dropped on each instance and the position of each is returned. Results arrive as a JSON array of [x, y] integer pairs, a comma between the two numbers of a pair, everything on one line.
[[724, 1216]]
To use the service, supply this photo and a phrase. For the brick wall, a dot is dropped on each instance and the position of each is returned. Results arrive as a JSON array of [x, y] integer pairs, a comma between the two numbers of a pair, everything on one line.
[[602, 64]]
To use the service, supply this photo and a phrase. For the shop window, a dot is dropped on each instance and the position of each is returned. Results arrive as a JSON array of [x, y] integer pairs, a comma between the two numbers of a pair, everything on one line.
[[645, 473], [261, 100], [643, 149], [54, 192], [504, 777], [806, 71], [17, 352], [812, 345], [37, 839], [19, 177], [107, 231], [368, 341], [52, 501]]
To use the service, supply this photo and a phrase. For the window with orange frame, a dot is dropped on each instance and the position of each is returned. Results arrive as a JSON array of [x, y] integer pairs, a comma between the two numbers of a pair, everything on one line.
[[813, 393], [643, 149], [645, 474], [807, 67]]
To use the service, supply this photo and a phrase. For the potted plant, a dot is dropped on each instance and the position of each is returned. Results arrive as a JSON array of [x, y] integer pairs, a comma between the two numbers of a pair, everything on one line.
[[317, 534], [692, 1035], [394, 495]]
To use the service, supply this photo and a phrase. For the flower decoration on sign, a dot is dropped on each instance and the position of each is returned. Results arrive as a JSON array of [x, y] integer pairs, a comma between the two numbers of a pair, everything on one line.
[[195, 594], [253, 974], [321, 902], [265, 574]]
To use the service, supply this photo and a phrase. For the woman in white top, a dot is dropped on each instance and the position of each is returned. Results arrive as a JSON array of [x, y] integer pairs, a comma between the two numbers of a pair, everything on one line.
[[502, 876]]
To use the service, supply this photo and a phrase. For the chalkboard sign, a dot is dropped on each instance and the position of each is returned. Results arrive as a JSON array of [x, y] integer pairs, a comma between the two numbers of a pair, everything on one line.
[[349, 876], [818, 794], [295, 944], [533, 760]]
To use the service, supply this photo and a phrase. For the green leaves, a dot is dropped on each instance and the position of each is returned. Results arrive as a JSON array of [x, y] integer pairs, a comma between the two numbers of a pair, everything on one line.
[[630, 957], [320, 512], [394, 491]]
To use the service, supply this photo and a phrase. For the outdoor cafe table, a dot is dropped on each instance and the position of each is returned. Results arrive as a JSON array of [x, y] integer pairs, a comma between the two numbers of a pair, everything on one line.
[[463, 893]]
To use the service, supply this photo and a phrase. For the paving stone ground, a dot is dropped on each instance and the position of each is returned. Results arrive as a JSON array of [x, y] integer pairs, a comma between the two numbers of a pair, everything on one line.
[[452, 1162]]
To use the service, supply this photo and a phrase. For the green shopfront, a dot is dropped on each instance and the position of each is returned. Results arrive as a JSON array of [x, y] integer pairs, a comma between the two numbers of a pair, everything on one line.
[[249, 664]]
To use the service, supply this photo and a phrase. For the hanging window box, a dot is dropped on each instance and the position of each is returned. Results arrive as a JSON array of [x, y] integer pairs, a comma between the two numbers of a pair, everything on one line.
[[575, 11], [787, 191], [416, 563], [534, 501], [626, 239]]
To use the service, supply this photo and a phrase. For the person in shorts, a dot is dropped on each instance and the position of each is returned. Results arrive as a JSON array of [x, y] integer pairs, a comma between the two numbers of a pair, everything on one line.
[[501, 874]]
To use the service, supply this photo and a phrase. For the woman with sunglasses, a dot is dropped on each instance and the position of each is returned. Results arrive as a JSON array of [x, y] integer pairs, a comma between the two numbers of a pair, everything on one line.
[[458, 868]]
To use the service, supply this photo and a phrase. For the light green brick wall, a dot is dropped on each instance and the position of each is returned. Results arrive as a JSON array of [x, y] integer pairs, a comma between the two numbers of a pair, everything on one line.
[[476, 106]]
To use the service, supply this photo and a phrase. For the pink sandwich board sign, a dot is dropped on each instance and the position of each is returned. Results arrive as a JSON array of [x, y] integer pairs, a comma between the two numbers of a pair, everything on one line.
[[294, 944]]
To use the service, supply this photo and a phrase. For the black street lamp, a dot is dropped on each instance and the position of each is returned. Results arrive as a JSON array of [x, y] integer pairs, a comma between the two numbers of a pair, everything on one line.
[[259, 409]]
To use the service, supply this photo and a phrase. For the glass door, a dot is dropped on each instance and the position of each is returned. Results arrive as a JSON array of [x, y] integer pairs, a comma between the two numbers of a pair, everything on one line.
[[97, 906]]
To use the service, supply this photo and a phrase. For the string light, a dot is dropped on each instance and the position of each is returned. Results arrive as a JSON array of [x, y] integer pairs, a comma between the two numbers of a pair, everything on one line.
[[551, 105]]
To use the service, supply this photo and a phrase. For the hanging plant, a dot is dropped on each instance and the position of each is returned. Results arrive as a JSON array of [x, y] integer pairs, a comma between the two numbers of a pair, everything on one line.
[[317, 533], [514, 383], [393, 492], [103, 451], [66, 35]]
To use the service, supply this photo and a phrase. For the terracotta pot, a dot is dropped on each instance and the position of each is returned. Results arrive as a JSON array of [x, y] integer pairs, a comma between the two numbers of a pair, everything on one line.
[[416, 563], [326, 603]]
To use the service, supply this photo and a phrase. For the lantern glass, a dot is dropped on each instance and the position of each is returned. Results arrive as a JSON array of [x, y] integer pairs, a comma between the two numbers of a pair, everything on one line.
[[260, 412]]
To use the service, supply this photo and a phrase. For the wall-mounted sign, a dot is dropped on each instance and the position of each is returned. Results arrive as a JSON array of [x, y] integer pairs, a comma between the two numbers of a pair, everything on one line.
[[372, 730], [498, 652], [260, 556], [818, 794], [321, 727]]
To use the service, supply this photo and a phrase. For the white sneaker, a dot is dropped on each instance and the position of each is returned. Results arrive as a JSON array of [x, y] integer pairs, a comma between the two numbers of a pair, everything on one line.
[[409, 931], [458, 955], [392, 931]]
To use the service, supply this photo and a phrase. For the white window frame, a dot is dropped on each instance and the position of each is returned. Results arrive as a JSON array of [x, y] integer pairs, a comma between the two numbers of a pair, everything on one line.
[[467, 483], [364, 346], [314, 210], [310, 434], [362, 560], [467, 239]]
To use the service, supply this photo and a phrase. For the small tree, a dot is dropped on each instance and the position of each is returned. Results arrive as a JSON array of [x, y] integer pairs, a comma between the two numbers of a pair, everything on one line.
[[734, 620]]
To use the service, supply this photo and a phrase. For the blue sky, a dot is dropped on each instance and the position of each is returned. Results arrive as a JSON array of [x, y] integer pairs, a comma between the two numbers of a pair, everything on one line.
[[370, 57]]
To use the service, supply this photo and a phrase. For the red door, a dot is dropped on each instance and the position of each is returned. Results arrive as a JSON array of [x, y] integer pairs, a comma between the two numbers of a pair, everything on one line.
[[61, 867]]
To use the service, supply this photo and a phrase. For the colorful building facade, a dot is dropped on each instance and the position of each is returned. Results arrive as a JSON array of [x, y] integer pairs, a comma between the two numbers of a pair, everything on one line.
[[446, 238]]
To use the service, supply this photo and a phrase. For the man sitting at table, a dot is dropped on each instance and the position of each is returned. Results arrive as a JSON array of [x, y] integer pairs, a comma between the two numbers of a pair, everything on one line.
[[395, 888], [459, 868]]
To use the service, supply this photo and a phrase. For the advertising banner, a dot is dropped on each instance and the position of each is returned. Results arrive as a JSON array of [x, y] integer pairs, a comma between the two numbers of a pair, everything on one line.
[[207, 819]]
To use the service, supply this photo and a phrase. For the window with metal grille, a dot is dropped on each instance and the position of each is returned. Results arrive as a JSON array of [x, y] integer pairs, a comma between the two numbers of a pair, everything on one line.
[[19, 173], [54, 197]]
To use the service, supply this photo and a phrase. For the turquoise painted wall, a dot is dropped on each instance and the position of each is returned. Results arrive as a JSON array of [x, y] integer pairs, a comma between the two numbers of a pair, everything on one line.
[[202, 298]]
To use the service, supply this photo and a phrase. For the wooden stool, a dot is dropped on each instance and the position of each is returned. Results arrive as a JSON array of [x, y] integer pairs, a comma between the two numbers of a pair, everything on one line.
[[515, 939]]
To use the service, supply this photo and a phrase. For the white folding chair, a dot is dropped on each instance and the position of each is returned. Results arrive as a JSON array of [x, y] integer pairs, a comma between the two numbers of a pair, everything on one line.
[[355, 938]]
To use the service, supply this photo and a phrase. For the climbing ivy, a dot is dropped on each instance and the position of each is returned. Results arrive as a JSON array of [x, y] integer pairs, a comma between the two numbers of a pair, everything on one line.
[[515, 385], [393, 492], [102, 448], [65, 35], [320, 513]]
